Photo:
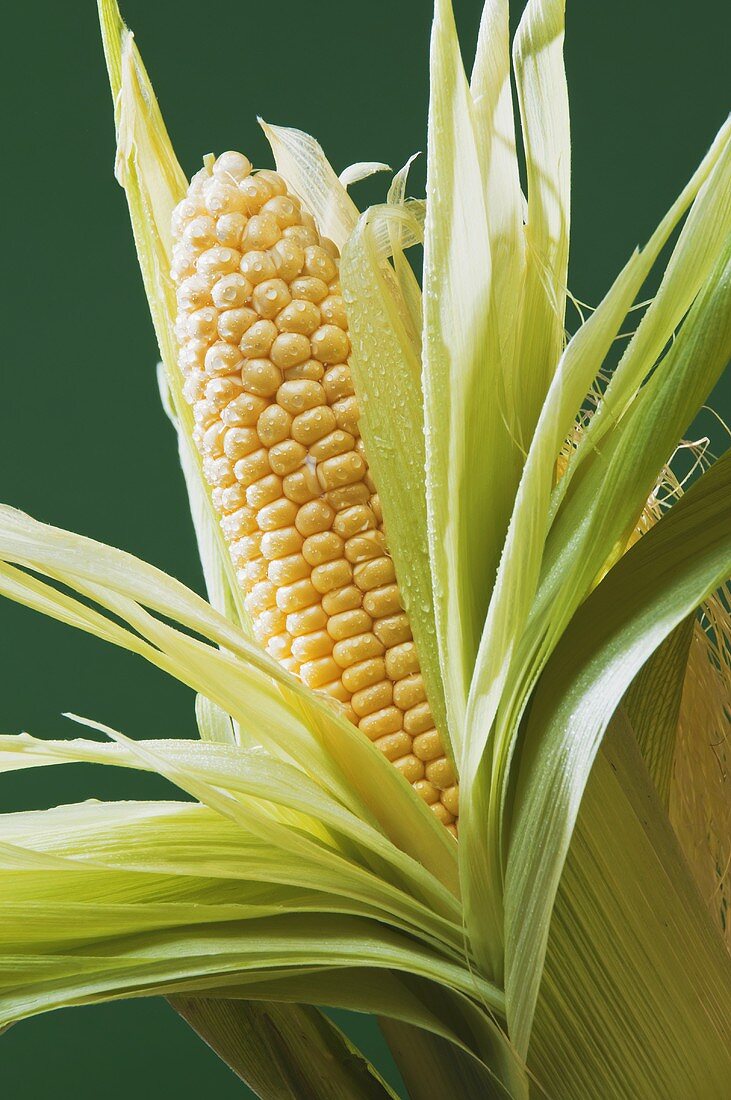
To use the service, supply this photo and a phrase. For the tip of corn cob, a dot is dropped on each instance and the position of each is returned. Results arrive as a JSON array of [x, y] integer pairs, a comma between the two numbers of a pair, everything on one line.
[[263, 347]]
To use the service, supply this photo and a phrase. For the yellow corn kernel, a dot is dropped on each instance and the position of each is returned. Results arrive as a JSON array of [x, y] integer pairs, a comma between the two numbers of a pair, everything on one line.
[[355, 520], [380, 602], [342, 599], [299, 316], [401, 660], [229, 229], [261, 232], [274, 425], [309, 289], [365, 547], [374, 574], [340, 499], [330, 344], [279, 646], [319, 264], [285, 210], [287, 570], [381, 722], [346, 414], [301, 485], [296, 596], [309, 647], [336, 443], [252, 572], [313, 424], [427, 746], [425, 790], [289, 349], [348, 624], [306, 620], [270, 298], [419, 719], [440, 773], [411, 768], [253, 466], [258, 339], [228, 500], [219, 472], [332, 309], [240, 442], [372, 698], [280, 513], [393, 630], [233, 323], [230, 292], [287, 456], [309, 369], [450, 798], [299, 395], [281, 543], [302, 235], [344, 469], [314, 517], [441, 812], [244, 411], [239, 523], [265, 491], [261, 377], [365, 673], [322, 547], [332, 575], [320, 672], [337, 382], [261, 598], [352, 650], [394, 746]]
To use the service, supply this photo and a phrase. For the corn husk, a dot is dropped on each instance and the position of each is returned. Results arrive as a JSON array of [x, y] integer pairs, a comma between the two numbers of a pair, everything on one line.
[[547, 953]]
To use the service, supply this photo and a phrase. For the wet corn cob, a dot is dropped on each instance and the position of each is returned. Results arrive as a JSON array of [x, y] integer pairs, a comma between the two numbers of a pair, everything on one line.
[[264, 347]]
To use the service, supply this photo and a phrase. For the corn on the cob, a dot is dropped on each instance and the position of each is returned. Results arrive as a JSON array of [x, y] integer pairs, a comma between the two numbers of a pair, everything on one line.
[[264, 350]]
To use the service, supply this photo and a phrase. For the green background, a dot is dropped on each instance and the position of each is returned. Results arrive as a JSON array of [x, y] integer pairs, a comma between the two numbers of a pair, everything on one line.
[[83, 442]]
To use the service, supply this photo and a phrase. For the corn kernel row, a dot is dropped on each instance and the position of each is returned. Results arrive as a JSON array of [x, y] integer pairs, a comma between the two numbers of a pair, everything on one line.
[[264, 347]]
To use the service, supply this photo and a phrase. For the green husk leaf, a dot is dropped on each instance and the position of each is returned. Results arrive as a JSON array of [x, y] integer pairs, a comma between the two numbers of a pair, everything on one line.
[[508, 665], [397, 191], [652, 704], [386, 368], [432, 1067], [223, 594], [607, 495], [412, 1000], [309, 174], [143, 962], [700, 790], [634, 1000], [690, 265], [188, 895], [281, 1051], [544, 107], [213, 723], [490, 87], [641, 601], [361, 170], [154, 183], [293, 723], [247, 787], [465, 418]]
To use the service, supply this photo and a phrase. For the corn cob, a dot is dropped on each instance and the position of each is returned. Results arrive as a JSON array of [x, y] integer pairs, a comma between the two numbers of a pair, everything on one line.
[[263, 347]]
